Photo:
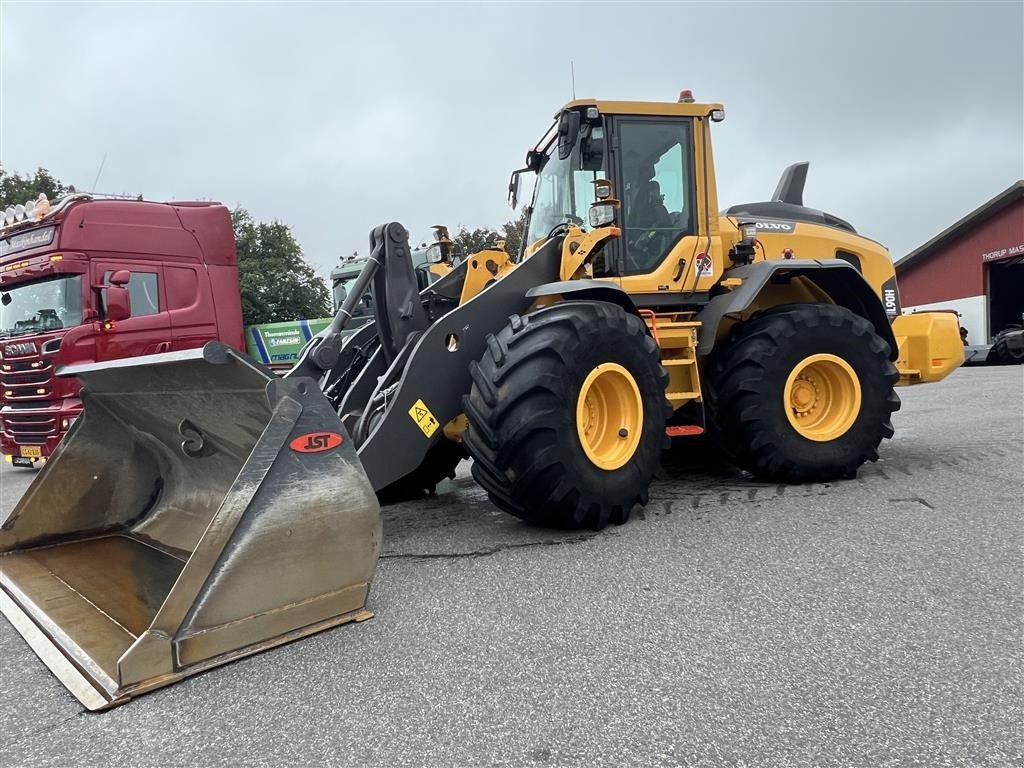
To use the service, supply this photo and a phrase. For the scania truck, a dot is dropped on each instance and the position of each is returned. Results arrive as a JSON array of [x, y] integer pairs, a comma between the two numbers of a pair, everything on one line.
[[90, 280]]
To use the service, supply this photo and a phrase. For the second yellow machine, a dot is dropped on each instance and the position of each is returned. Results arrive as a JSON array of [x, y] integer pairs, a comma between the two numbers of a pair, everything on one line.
[[203, 509]]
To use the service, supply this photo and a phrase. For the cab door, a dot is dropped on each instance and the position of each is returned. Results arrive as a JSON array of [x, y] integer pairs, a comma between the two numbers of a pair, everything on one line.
[[664, 253], [147, 331]]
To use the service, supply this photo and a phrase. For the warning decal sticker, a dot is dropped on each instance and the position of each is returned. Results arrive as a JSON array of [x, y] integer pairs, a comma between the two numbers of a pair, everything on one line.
[[705, 265], [424, 418]]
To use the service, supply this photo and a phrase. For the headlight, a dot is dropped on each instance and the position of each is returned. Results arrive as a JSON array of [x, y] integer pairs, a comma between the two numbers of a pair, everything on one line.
[[748, 231], [602, 214], [9, 215]]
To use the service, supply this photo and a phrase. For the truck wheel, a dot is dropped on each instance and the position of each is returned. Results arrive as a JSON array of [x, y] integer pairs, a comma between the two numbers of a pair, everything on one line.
[[803, 393], [567, 415]]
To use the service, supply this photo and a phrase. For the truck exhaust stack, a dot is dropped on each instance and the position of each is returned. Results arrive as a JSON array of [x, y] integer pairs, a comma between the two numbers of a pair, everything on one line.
[[199, 511]]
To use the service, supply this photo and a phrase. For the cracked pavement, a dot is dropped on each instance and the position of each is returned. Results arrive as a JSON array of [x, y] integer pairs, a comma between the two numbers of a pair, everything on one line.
[[870, 622]]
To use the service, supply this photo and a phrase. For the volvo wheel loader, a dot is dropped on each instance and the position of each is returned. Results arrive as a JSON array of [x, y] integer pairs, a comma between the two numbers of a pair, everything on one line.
[[202, 509]]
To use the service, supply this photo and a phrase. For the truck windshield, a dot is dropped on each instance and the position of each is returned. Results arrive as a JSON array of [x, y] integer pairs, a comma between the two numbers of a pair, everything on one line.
[[44, 305], [341, 288], [564, 188]]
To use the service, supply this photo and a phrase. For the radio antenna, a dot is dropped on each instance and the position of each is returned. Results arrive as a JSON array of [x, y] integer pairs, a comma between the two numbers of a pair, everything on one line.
[[572, 77], [97, 179]]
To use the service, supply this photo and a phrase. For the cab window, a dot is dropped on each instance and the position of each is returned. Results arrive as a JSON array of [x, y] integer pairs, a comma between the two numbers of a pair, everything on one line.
[[657, 170]]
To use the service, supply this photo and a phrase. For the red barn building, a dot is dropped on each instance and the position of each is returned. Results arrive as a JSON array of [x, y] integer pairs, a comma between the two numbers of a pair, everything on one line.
[[976, 267]]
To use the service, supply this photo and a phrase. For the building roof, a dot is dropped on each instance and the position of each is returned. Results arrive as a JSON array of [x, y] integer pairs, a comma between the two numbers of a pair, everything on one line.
[[986, 211]]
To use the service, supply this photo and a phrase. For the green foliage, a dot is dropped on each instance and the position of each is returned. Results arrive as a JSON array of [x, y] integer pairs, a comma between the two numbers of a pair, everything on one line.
[[15, 188], [477, 239], [277, 282], [514, 231]]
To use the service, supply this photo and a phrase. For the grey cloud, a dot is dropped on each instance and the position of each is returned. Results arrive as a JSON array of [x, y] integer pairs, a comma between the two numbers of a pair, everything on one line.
[[337, 117]]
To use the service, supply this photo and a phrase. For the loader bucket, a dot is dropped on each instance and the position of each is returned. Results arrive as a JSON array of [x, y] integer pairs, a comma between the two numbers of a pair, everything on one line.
[[199, 511]]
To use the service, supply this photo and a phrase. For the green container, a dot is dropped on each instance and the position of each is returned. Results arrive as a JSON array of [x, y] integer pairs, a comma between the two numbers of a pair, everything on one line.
[[279, 344]]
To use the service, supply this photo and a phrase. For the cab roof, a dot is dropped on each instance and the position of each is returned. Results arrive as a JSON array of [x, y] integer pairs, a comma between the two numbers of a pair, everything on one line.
[[673, 108]]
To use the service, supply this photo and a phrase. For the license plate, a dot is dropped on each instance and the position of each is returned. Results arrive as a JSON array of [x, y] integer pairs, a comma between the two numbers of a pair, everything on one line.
[[31, 451]]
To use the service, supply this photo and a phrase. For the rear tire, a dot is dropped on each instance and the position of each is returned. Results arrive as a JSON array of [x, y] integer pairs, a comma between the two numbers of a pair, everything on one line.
[[1002, 353], [803, 393], [554, 410]]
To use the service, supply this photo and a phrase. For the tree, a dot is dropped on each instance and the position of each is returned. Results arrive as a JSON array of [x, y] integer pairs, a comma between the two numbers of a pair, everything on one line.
[[511, 232], [15, 188], [277, 282], [514, 231]]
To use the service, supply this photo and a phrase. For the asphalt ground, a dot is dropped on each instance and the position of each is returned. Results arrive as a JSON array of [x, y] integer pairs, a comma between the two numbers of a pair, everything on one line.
[[870, 622]]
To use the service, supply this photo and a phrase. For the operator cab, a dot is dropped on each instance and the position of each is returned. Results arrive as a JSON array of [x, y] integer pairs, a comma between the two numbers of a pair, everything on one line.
[[651, 162]]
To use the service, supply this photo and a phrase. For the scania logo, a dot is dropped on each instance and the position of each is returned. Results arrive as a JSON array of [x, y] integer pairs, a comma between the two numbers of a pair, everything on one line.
[[20, 350]]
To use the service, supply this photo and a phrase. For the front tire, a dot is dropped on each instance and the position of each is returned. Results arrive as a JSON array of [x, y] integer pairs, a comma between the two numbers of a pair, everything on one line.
[[803, 393], [567, 415]]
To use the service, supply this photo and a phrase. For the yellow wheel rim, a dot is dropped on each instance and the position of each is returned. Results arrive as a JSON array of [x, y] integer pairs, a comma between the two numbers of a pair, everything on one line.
[[609, 416], [822, 397]]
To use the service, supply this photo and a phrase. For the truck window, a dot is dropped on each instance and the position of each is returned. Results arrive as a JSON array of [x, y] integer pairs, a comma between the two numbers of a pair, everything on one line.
[[144, 291]]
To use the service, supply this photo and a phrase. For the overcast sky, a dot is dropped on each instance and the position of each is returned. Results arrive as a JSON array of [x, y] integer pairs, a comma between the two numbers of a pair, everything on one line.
[[337, 117]]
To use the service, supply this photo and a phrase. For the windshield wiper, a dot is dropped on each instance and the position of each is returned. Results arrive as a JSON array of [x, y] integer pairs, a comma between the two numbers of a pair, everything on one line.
[[13, 333]]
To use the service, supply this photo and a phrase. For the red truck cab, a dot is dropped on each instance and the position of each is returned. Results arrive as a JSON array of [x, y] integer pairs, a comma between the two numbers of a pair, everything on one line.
[[179, 270]]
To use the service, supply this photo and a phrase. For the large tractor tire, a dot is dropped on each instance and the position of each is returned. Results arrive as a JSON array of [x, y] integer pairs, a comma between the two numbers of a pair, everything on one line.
[[802, 393], [567, 415], [1007, 348]]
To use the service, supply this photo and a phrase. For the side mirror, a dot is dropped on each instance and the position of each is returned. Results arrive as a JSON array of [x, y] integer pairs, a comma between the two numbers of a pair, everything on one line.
[[568, 132], [118, 303], [515, 186], [121, 277], [434, 254]]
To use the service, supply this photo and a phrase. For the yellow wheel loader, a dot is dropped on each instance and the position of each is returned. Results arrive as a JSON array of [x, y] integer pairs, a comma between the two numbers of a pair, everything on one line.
[[202, 510]]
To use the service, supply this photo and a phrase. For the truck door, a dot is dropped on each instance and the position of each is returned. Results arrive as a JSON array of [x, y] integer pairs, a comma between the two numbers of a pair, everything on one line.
[[148, 330], [190, 305]]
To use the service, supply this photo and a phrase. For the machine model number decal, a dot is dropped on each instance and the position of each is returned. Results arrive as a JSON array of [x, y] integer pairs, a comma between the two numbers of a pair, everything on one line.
[[424, 418], [891, 297], [315, 442]]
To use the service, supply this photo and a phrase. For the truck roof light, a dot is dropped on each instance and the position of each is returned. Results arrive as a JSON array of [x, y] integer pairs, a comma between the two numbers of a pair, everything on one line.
[[593, 113], [42, 206], [686, 96], [717, 115]]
